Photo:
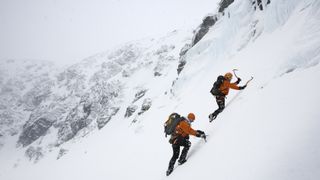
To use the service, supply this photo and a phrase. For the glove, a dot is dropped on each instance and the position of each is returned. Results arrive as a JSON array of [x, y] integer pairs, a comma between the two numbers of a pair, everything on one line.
[[200, 133], [242, 87], [238, 81]]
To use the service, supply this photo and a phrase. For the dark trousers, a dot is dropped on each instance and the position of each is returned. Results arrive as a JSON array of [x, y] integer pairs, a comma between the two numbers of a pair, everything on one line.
[[221, 104], [176, 150]]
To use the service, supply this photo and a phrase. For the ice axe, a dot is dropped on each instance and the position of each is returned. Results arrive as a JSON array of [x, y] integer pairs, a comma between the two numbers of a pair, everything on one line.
[[249, 80], [238, 77], [235, 73]]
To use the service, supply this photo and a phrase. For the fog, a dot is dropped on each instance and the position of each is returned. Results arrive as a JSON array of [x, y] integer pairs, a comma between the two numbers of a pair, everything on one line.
[[67, 31]]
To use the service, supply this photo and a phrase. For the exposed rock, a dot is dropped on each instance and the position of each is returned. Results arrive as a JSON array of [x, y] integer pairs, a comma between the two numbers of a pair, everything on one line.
[[34, 154], [224, 4], [33, 131], [39, 93], [67, 103], [259, 4], [182, 58], [163, 60], [73, 79], [75, 121], [204, 28], [62, 152], [145, 105], [185, 49], [105, 119], [157, 73], [159, 68], [164, 49], [139, 95], [65, 133], [130, 110], [182, 63]]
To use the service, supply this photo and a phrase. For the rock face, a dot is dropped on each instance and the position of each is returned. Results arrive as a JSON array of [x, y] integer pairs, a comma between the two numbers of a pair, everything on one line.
[[32, 132], [61, 153], [75, 121], [105, 119], [260, 4], [198, 35], [34, 154], [224, 4], [46, 106], [139, 95], [145, 105], [130, 110], [24, 85], [204, 28], [182, 58]]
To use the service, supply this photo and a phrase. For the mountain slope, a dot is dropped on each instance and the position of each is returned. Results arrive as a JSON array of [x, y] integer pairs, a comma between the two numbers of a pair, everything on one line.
[[267, 131]]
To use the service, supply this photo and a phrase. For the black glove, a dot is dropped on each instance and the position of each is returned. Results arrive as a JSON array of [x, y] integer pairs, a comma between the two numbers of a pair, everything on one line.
[[242, 87], [200, 133], [238, 81]]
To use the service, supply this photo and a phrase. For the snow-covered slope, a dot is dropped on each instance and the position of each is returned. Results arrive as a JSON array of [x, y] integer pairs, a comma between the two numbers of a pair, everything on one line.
[[267, 131], [61, 107], [270, 130], [24, 84]]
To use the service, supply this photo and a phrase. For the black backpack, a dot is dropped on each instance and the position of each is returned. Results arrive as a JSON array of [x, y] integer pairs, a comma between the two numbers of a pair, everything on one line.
[[216, 85], [171, 123]]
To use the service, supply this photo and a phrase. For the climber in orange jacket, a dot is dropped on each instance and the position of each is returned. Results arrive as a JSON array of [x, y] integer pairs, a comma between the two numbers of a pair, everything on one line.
[[222, 91], [181, 138]]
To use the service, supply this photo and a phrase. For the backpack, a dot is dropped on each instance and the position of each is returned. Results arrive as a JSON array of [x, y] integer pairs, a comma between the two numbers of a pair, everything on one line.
[[171, 123], [216, 86]]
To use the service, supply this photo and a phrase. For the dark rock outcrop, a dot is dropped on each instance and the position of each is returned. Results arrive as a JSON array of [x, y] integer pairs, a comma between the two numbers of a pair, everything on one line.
[[62, 152], [130, 110], [75, 121], [145, 105], [182, 63], [259, 4], [156, 73], [204, 28], [182, 58], [139, 95], [105, 119], [34, 154], [33, 131], [224, 4]]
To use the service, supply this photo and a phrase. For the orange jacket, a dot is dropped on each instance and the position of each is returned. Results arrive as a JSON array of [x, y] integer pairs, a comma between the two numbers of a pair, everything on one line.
[[226, 85], [184, 129]]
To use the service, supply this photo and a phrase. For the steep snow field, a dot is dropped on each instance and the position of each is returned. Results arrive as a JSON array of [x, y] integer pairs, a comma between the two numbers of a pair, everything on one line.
[[270, 130], [267, 131]]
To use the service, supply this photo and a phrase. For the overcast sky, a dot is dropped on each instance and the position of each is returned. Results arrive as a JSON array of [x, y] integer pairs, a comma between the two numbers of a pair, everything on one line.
[[67, 31]]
